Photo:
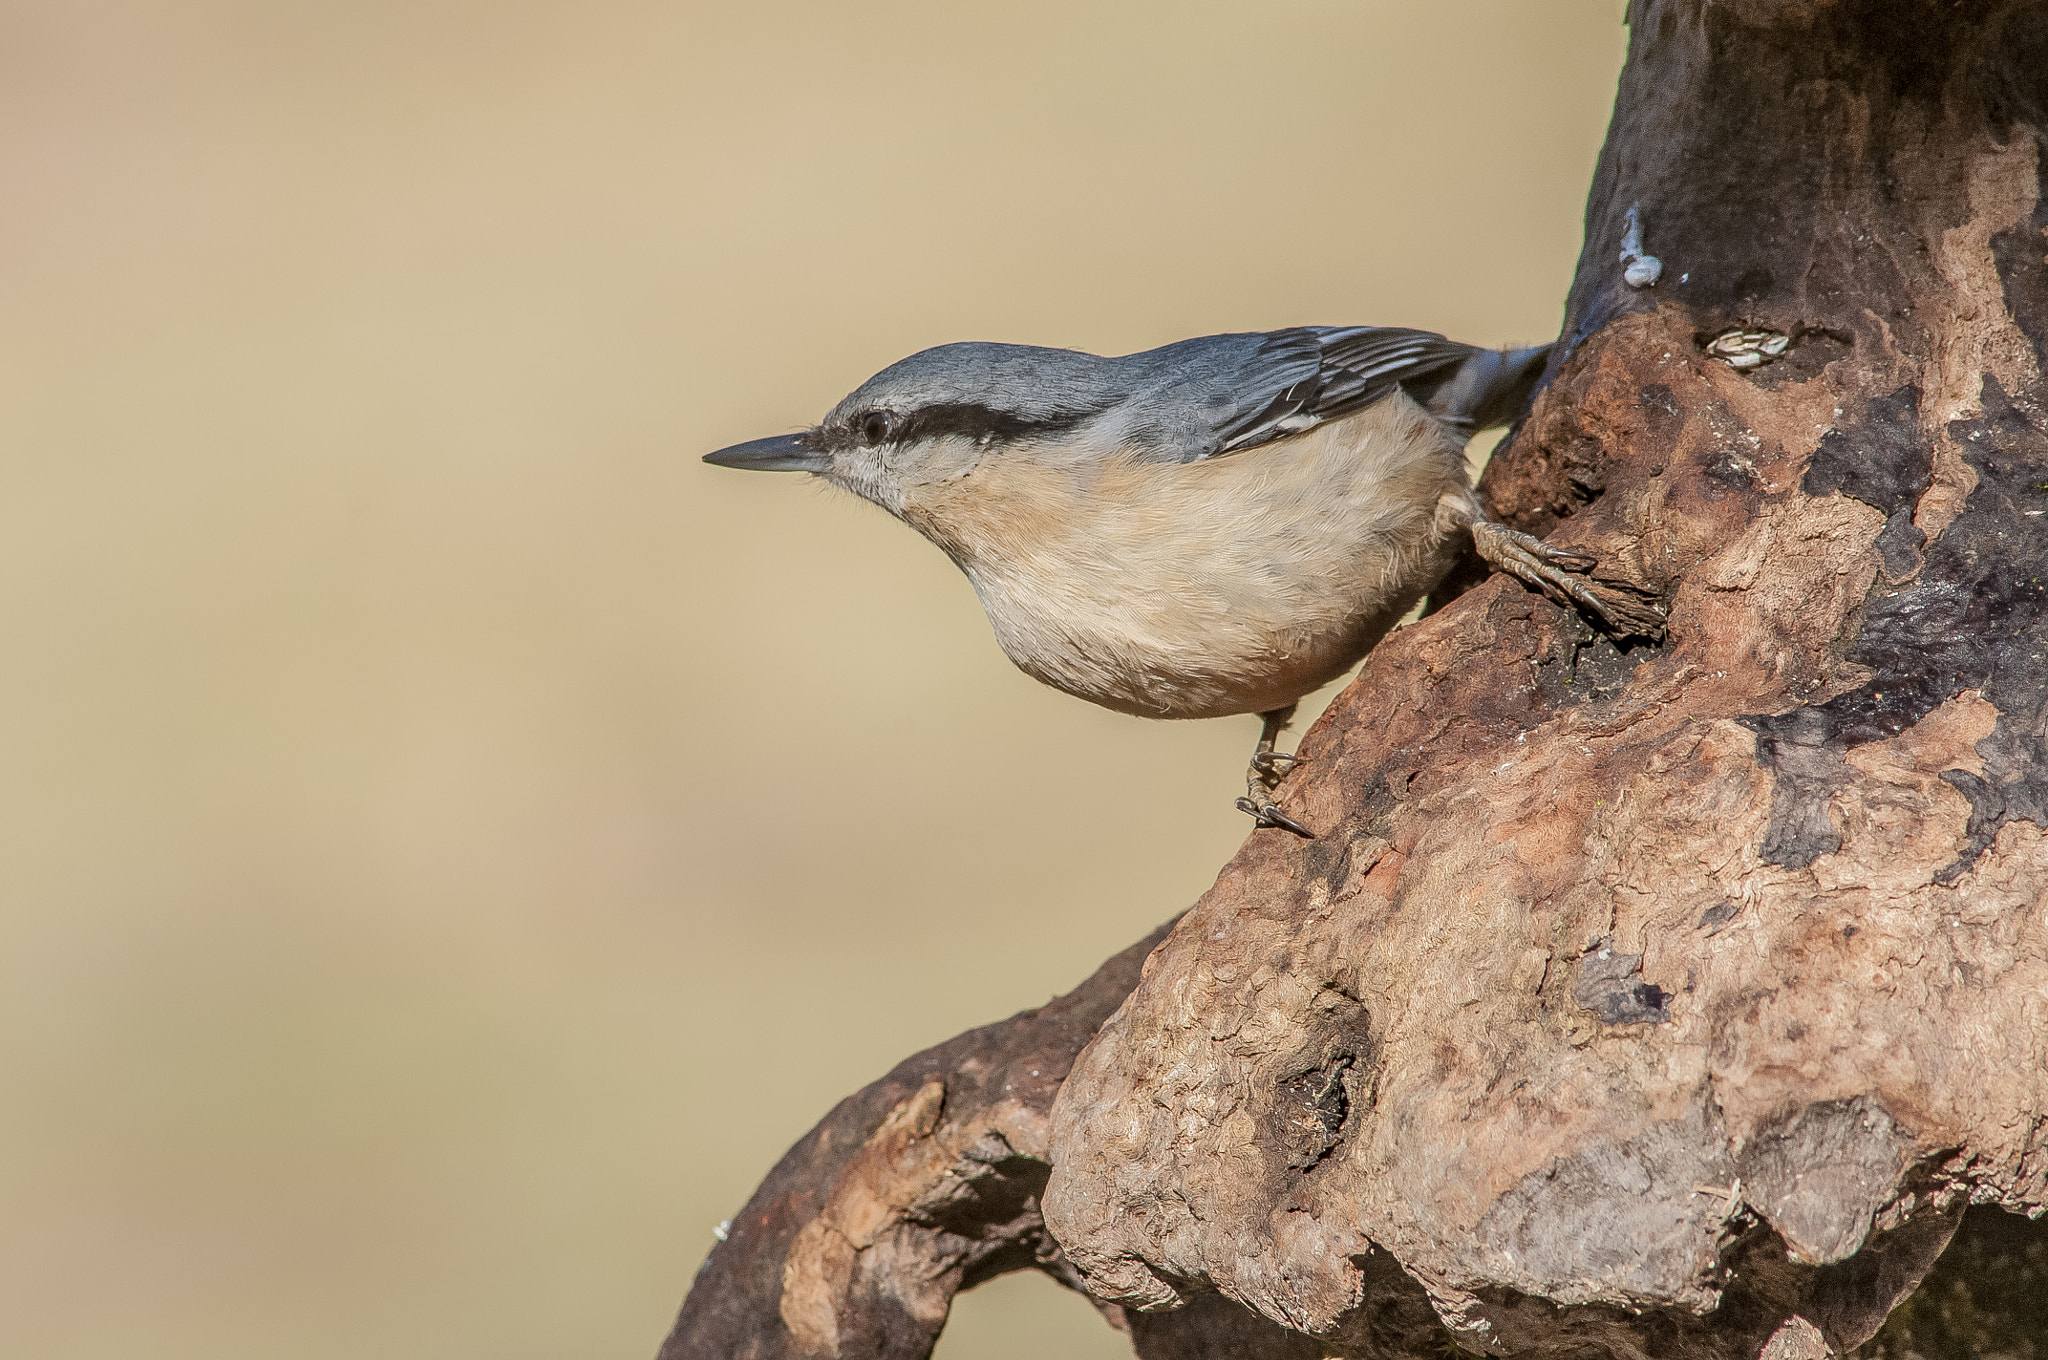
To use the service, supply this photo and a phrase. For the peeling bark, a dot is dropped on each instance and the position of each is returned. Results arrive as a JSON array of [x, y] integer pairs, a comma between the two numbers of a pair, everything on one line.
[[1664, 1000]]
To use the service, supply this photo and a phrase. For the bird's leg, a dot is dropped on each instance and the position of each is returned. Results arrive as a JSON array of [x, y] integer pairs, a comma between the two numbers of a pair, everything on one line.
[[1559, 574], [1268, 765], [1268, 768]]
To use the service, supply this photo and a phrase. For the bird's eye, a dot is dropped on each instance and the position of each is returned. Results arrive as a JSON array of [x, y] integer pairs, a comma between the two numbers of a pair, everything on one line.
[[874, 428]]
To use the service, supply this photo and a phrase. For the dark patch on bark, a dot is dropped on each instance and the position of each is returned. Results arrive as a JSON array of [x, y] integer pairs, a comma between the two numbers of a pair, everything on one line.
[[2015, 77], [1718, 915], [1996, 550], [1972, 619], [1611, 986], [1732, 471], [1327, 859], [1885, 462], [1330, 857], [2022, 256], [1898, 546], [1659, 404], [1992, 806], [1807, 768]]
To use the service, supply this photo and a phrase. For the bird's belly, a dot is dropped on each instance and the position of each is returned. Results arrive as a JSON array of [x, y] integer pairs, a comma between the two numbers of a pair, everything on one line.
[[1235, 585], [1181, 647]]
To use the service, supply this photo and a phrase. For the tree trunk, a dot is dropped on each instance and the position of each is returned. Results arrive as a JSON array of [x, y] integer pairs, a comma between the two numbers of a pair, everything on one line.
[[1667, 1000]]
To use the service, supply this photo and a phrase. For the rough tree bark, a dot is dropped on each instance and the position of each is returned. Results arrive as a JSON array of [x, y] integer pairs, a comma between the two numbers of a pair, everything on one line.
[[1664, 1001]]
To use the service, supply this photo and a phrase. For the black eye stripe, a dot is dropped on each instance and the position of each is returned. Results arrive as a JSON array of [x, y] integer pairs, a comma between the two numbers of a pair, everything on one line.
[[971, 419], [982, 422]]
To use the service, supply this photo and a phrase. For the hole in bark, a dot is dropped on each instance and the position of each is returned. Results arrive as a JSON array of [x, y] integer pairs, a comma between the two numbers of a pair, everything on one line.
[[1813, 349], [1314, 1107], [1584, 666]]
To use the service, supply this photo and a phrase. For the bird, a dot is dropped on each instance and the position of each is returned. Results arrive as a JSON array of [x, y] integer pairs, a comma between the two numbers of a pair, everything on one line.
[[1214, 527]]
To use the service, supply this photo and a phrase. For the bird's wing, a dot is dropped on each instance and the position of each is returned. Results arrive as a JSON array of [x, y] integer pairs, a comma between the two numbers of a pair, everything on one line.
[[1297, 379]]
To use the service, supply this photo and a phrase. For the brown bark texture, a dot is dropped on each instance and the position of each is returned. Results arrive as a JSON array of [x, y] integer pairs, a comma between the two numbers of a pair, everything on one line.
[[1664, 999], [1674, 999]]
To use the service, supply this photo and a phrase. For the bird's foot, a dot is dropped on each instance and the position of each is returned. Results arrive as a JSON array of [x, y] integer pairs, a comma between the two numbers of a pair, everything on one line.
[[1560, 574], [1268, 768], [1267, 813]]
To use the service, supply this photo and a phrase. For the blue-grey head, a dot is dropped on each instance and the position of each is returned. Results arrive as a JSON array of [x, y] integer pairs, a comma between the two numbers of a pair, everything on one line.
[[935, 415]]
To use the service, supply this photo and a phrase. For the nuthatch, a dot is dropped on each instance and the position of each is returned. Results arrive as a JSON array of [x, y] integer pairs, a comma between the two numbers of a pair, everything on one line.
[[1213, 527]]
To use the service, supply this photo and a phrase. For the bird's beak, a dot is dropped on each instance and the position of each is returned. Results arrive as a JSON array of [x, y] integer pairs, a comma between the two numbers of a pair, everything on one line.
[[778, 453]]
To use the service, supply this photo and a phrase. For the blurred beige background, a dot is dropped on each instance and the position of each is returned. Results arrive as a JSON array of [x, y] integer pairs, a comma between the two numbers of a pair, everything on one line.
[[451, 841]]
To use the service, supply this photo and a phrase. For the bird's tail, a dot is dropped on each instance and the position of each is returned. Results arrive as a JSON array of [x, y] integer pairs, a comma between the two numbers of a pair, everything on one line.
[[1490, 388]]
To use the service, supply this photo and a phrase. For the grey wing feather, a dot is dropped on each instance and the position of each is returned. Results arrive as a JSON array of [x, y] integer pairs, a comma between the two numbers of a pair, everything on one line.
[[1329, 371]]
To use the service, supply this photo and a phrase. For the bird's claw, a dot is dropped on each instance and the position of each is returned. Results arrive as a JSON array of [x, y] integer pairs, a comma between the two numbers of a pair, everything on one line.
[[1268, 814], [1275, 765]]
